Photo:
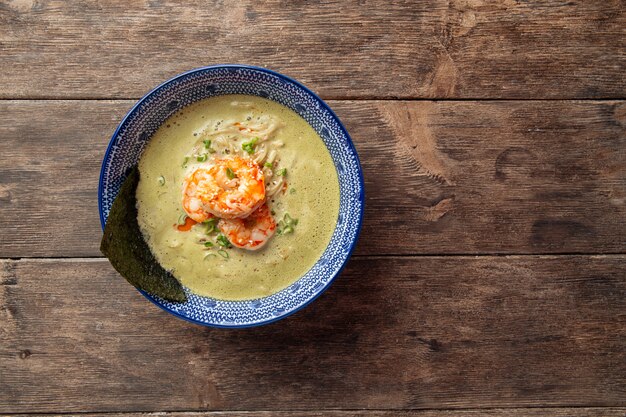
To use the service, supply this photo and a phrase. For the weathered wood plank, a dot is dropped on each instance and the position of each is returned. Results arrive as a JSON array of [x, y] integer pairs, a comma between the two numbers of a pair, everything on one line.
[[491, 177], [499, 412], [391, 333], [49, 170], [432, 49], [441, 177]]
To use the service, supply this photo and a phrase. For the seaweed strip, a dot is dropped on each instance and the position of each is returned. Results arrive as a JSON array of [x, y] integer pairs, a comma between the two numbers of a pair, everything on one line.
[[128, 252]]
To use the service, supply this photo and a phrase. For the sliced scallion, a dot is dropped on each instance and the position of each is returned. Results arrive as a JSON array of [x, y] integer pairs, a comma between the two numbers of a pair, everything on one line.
[[250, 146], [202, 158], [223, 253], [286, 225], [230, 173], [211, 225], [290, 221], [161, 180], [223, 241], [207, 145]]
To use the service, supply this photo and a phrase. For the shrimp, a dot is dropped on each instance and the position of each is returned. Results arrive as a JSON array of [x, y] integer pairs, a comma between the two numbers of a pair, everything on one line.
[[192, 203], [252, 232], [230, 188]]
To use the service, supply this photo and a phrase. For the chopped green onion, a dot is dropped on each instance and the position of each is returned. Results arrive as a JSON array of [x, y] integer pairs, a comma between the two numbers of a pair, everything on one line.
[[161, 180], [250, 146], [292, 191], [223, 253], [185, 162], [286, 225], [230, 174], [268, 165], [208, 244], [289, 221], [182, 218], [211, 225], [208, 255], [202, 158], [207, 145], [223, 241], [282, 172]]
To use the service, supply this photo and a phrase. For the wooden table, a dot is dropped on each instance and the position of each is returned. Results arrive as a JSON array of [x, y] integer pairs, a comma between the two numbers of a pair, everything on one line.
[[490, 276]]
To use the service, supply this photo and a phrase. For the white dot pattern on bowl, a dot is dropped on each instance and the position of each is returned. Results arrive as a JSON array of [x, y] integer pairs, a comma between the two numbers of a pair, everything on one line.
[[144, 119]]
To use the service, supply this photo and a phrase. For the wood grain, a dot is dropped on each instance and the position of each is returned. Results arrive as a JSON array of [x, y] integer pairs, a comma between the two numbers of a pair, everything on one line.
[[491, 177], [441, 177], [364, 49], [391, 333], [499, 412]]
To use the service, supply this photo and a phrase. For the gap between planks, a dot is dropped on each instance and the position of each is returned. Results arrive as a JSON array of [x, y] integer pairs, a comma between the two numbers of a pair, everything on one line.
[[337, 98], [461, 412], [382, 256]]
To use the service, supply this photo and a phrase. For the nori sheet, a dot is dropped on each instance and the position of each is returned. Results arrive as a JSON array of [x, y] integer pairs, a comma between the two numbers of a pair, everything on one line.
[[124, 245]]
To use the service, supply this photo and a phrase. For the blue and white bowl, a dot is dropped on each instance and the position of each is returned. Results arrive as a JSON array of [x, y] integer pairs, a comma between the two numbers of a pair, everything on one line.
[[151, 111]]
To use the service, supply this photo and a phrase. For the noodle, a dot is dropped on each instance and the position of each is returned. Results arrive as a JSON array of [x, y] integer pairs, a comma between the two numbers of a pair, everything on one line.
[[260, 154], [229, 137], [274, 186], [271, 156]]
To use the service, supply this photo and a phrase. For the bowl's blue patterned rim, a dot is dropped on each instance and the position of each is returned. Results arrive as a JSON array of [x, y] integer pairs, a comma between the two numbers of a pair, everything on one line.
[[326, 107]]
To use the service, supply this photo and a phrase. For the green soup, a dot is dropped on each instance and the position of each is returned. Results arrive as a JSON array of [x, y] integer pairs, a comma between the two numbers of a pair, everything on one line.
[[305, 203]]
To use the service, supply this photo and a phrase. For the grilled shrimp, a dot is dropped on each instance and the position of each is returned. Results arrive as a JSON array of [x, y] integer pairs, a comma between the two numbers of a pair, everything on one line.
[[192, 201], [230, 188], [252, 232]]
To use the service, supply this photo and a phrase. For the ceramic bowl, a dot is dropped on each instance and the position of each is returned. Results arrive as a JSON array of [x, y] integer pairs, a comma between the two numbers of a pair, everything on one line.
[[152, 110]]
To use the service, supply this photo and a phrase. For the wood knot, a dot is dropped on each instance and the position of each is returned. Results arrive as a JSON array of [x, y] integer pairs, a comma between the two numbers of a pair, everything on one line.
[[5, 194], [619, 114], [416, 140], [512, 159], [440, 209], [468, 21], [8, 275], [25, 354], [433, 344], [23, 6]]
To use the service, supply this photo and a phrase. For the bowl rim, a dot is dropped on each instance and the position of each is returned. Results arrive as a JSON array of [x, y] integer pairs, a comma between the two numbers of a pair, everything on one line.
[[323, 104]]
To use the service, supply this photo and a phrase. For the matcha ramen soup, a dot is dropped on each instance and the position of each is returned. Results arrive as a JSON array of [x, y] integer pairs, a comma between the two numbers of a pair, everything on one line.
[[238, 197]]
